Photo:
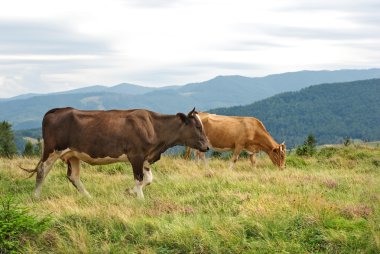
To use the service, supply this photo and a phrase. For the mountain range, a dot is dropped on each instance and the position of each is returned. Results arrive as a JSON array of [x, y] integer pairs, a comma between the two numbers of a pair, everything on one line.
[[26, 111], [331, 112]]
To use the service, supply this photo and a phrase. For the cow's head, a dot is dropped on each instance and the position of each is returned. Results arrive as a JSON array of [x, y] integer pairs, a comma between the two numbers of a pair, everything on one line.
[[192, 133], [278, 155]]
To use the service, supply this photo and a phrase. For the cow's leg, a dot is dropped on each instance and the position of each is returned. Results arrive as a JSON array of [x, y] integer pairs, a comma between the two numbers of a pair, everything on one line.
[[73, 170], [148, 176], [138, 174], [252, 158], [202, 157], [235, 157], [187, 153], [42, 170]]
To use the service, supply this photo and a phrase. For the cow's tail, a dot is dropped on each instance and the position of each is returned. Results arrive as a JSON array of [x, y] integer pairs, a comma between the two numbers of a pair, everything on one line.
[[31, 171]]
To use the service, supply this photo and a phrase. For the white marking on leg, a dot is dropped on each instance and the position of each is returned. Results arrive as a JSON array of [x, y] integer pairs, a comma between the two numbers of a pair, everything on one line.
[[42, 170], [148, 177], [39, 179], [138, 189], [74, 176]]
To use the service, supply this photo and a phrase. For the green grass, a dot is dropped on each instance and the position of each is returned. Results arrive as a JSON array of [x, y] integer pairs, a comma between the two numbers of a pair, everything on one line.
[[329, 203]]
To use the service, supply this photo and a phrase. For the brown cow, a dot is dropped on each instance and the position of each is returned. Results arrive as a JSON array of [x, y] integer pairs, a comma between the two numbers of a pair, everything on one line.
[[236, 133], [102, 137]]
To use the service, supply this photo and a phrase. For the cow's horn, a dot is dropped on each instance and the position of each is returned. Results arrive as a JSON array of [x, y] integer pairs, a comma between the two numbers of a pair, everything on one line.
[[191, 112]]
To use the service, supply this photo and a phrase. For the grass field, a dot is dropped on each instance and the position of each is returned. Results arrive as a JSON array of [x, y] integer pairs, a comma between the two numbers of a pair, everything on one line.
[[329, 203]]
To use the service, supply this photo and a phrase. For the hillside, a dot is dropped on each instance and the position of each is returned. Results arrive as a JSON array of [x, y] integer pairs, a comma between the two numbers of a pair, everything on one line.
[[26, 111], [331, 112]]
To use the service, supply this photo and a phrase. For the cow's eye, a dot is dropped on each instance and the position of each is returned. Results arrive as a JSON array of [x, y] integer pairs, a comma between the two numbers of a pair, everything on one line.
[[199, 127]]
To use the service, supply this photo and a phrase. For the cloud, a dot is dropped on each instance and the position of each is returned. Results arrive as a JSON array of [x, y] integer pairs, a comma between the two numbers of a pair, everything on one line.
[[153, 3], [40, 38], [250, 45], [326, 33], [166, 42], [31, 52], [363, 6]]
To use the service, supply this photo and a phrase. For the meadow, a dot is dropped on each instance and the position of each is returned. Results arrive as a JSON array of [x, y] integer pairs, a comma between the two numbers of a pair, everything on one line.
[[328, 203]]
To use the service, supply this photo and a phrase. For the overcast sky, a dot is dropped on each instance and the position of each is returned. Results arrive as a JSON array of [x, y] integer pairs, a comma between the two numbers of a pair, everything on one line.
[[48, 46]]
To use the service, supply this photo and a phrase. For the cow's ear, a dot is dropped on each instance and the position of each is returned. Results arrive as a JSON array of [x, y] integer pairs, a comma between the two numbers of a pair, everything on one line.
[[183, 118]]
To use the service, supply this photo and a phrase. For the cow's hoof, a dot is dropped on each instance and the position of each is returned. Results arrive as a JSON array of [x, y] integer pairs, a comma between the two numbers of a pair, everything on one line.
[[130, 192]]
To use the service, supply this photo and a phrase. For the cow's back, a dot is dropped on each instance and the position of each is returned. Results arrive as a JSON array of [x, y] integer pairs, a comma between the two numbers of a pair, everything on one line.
[[96, 133], [226, 132]]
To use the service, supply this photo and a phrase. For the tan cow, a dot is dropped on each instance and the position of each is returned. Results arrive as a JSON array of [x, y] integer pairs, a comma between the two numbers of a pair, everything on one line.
[[226, 133]]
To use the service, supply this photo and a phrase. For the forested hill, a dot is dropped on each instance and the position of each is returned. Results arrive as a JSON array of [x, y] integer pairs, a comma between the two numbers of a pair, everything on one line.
[[331, 112]]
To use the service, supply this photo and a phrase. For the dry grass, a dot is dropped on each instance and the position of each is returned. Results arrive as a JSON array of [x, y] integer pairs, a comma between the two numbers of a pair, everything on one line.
[[319, 206]]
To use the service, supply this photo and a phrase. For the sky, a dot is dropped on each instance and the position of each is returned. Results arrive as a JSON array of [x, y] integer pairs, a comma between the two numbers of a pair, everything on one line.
[[49, 46]]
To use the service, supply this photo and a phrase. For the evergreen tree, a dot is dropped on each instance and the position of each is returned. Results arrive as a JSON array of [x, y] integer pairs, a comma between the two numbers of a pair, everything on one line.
[[28, 150], [308, 148], [7, 141], [311, 143]]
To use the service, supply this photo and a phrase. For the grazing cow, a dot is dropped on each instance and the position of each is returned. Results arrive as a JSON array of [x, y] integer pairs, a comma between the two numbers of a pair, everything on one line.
[[236, 133], [102, 137]]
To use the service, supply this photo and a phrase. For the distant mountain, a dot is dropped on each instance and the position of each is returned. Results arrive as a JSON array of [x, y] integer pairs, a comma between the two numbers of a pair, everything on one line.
[[19, 97], [331, 112], [123, 88], [26, 112]]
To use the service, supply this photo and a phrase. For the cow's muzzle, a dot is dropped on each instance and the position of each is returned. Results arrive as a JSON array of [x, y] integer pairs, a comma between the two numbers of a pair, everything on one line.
[[203, 150]]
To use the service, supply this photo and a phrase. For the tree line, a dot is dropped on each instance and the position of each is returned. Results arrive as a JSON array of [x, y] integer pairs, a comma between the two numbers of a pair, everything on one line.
[[8, 146], [332, 112]]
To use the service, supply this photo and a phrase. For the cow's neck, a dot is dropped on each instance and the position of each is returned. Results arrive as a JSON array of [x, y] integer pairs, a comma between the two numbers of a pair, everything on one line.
[[167, 127], [267, 143]]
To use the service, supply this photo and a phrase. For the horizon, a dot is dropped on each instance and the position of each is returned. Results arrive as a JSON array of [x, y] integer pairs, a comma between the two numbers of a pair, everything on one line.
[[178, 85], [56, 46]]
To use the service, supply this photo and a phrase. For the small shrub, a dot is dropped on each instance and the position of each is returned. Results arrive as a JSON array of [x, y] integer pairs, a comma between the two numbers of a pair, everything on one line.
[[347, 141], [308, 232], [28, 149], [376, 162], [327, 152], [244, 154], [216, 154], [17, 226], [296, 162], [356, 211], [221, 155], [356, 155], [302, 150], [362, 156], [308, 148]]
